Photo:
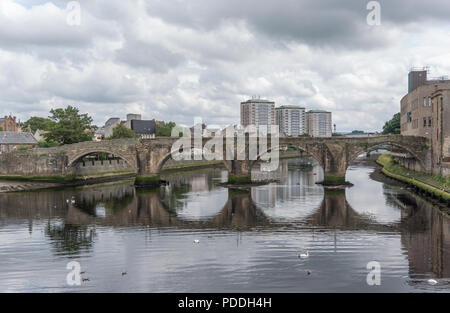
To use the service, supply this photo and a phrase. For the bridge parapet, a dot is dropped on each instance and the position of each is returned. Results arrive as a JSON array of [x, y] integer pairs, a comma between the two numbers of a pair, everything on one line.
[[148, 156]]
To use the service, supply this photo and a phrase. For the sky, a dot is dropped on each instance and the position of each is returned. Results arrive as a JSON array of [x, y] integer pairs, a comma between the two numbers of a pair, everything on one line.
[[175, 60]]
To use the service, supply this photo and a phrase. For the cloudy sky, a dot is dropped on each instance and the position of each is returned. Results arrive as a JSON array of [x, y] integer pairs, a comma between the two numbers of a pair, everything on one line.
[[177, 59]]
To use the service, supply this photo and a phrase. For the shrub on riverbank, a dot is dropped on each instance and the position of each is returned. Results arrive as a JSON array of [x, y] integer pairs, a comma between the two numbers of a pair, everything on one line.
[[432, 184]]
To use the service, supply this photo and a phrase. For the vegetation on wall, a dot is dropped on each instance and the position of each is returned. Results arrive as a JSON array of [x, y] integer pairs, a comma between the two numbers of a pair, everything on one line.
[[47, 144]]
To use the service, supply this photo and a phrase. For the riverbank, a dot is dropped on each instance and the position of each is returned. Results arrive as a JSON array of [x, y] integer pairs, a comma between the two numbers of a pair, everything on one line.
[[431, 186]]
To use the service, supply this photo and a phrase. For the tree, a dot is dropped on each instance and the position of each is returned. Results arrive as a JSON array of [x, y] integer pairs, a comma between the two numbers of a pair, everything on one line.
[[392, 126], [1, 129], [68, 126], [36, 123], [121, 131], [164, 130]]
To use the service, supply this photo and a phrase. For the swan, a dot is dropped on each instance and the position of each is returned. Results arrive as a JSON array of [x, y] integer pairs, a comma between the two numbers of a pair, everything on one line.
[[196, 241], [432, 282], [303, 255]]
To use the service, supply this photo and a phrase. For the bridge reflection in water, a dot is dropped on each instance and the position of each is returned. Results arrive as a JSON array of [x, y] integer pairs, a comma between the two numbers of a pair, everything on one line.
[[74, 215]]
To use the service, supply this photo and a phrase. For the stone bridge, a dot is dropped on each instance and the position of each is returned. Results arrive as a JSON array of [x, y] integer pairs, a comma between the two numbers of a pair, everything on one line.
[[148, 156]]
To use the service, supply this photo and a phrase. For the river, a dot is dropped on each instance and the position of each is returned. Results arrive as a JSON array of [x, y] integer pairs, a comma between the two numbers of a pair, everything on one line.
[[129, 240]]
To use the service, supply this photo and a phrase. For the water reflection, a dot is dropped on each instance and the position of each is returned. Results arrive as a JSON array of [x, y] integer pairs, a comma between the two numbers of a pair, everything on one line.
[[75, 221]]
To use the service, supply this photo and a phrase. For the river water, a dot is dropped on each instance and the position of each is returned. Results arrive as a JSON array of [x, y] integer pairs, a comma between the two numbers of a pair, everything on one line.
[[129, 240]]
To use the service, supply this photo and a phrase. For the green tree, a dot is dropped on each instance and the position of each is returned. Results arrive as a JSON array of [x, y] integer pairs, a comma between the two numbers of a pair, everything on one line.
[[69, 126], [164, 129], [121, 131], [47, 144], [392, 126], [36, 123], [1, 129]]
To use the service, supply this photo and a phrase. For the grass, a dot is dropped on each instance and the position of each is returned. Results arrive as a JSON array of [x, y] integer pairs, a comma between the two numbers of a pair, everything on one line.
[[48, 179], [147, 179], [190, 165], [105, 174], [436, 185], [239, 180], [334, 179], [60, 179]]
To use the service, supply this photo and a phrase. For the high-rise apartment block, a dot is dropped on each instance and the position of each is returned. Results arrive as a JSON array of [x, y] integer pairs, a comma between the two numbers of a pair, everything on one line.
[[291, 120], [319, 123], [257, 112]]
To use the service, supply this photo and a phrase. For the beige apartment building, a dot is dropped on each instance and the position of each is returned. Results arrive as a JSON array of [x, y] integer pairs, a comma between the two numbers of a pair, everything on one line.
[[257, 112], [319, 123], [416, 116], [291, 120]]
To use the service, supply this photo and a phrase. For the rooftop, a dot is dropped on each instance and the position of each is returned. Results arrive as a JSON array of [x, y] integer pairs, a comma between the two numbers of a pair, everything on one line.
[[290, 107], [257, 100], [112, 120], [17, 138], [318, 111], [143, 127]]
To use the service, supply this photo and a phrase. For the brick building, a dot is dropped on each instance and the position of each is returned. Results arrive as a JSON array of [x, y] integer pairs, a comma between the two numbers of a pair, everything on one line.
[[8, 123]]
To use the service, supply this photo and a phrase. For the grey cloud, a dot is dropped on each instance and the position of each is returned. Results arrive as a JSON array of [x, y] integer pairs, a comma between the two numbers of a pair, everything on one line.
[[321, 23], [320, 54], [150, 55]]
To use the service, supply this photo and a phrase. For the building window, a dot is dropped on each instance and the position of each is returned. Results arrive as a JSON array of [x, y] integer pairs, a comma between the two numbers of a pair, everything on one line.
[[408, 117], [424, 101], [424, 122], [429, 101], [430, 122]]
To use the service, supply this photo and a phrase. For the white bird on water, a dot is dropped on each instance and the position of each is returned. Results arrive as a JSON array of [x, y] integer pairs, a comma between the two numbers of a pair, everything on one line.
[[196, 241], [432, 282], [303, 255]]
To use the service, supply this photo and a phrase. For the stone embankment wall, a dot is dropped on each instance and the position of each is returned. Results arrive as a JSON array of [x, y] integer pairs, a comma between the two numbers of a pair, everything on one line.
[[102, 166]]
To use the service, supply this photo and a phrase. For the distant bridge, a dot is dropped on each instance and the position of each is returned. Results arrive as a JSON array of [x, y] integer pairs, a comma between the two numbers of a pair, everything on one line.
[[148, 156]]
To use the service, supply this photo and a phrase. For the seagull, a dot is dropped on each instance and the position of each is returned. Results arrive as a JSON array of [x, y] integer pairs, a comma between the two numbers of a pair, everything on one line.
[[303, 255], [196, 241], [432, 282]]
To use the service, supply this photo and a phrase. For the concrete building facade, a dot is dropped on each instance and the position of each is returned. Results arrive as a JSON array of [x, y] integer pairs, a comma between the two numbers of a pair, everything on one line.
[[416, 106], [319, 123], [291, 120], [440, 138], [257, 112]]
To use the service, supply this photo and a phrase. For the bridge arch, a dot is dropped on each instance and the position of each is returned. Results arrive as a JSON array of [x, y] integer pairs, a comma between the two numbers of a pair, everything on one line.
[[361, 149], [168, 156], [314, 154], [74, 160]]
